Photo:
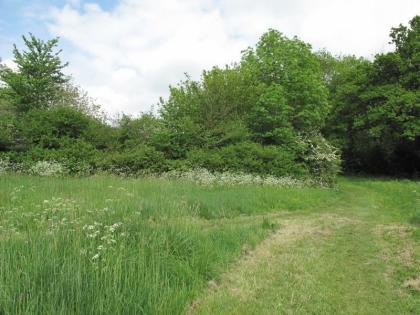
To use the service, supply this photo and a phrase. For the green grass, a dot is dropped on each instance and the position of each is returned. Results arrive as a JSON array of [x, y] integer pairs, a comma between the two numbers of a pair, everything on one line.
[[60, 252]]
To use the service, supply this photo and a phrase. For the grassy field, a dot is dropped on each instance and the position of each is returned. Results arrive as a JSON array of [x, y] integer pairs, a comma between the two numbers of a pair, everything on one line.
[[107, 245]]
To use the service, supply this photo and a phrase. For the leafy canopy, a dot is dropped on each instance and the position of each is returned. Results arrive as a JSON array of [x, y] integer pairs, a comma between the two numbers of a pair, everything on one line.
[[38, 79]]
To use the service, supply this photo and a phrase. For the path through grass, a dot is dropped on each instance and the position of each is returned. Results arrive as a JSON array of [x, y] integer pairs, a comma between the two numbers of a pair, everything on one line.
[[105, 245], [362, 258]]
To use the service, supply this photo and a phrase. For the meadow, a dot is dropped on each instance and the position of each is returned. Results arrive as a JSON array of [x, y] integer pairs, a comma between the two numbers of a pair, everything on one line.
[[112, 245]]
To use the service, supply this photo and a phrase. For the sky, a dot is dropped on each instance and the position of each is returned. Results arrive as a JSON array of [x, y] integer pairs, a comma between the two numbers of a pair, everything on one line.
[[126, 53]]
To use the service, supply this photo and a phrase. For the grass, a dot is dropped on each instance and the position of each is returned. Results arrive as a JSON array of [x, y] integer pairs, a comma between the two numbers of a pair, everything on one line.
[[107, 245]]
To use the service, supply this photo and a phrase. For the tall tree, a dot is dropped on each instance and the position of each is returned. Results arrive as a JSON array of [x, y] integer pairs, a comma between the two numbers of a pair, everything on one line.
[[38, 79], [376, 107], [293, 95]]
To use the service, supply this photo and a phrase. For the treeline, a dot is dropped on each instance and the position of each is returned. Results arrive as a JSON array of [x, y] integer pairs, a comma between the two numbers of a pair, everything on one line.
[[375, 106], [283, 110]]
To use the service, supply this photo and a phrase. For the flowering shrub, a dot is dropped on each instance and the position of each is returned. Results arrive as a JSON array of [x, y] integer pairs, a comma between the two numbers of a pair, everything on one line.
[[322, 159], [47, 168]]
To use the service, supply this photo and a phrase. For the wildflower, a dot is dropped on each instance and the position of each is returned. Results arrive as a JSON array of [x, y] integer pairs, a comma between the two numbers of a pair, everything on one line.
[[93, 235], [47, 168], [115, 226]]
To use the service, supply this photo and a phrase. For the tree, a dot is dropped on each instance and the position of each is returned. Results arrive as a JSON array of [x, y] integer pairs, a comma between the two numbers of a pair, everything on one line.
[[346, 79], [210, 112], [291, 65], [376, 107], [407, 43], [247, 115], [72, 95], [270, 119], [138, 131], [38, 79]]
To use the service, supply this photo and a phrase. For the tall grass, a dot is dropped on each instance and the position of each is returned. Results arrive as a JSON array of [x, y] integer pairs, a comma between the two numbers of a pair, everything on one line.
[[107, 245]]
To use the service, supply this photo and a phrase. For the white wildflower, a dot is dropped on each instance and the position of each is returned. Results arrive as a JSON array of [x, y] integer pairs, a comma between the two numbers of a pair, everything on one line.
[[47, 168]]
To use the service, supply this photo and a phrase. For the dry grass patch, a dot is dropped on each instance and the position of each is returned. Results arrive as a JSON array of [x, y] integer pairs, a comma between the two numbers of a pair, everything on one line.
[[401, 254], [413, 284]]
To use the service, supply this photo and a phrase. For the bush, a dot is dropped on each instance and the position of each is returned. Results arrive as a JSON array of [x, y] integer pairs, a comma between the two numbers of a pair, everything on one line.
[[47, 128], [77, 156], [248, 157], [7, 128], [321, 158], [142, 159]]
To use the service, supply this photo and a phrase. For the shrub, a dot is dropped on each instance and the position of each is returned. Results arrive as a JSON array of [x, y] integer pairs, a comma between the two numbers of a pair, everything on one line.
[[47, 128], [248, 157], [77, 156], [142, 159], [7, 127], [321, 158]]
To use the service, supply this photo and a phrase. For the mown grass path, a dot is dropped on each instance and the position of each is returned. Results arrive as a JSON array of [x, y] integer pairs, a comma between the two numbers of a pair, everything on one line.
[[356, 259]]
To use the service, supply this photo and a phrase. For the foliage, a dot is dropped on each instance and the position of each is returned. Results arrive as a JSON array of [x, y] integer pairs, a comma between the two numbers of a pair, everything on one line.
[[282, 111], [270, 118], [322, 159], [7, 122], [376, 107], [292, 73], [47, 168], [38, 79], [74, 96], [141, 159], [137, 131], [248, 117], [209, 113], [248, 157], [47, 128]]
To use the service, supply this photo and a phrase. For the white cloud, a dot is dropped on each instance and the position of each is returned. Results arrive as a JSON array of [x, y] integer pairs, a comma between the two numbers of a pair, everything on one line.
[[9, 63], [126, 58]]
